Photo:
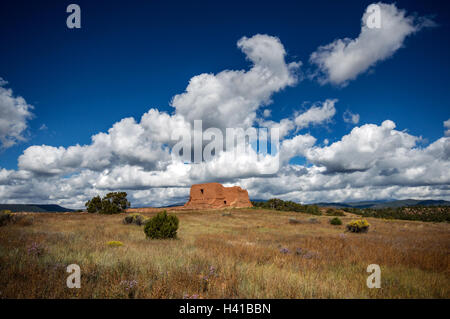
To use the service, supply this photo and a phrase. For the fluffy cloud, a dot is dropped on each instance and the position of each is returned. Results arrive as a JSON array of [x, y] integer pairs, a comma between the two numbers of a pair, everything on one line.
[[351, 118], [447, 127], [231, 98], [126, 143], [228, 99], [285, 126], [362, 148], [267, 112], [296, 146], [371, 162], [14, 114], [317, 114], [380, 155], [344, 59]]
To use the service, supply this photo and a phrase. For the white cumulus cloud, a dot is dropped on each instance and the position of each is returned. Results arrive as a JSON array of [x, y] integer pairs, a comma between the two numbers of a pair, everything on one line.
[[344, 59], [14, 114], [447, 127], [126, 143], [350, 117], [371, 162], [317, 114], [231, 98]]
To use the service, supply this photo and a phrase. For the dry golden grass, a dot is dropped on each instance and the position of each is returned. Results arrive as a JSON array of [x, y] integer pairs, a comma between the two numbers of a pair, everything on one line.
[[218, 256]]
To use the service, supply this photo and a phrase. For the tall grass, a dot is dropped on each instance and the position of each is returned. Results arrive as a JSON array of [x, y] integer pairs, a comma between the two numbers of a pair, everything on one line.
[[250, 254]]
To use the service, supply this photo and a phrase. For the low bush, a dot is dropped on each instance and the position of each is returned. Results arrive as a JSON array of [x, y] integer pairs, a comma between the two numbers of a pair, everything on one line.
[[5, 217], [137, 219], [422, 213], [334, 212], [23, 220], [162, 226], [114, 243], [358, 226], [288, 206], [313, 210], [295, 221], [335, 221], [279, 204]]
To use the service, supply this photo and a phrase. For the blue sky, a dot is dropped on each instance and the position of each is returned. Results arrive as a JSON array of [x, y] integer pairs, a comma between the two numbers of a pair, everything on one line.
[[131, 56]]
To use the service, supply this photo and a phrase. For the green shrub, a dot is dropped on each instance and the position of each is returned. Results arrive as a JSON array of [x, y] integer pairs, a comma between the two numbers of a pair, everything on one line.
[[22, 220], [279, 204], [335, 221], [137, 219], [162, 226], [313, 210], [289, 206], [5, 217], [114, 243], [422, 213], [358, 226], [27, 221], [94, 205], [112, 203], [334, 212], [128, 219]]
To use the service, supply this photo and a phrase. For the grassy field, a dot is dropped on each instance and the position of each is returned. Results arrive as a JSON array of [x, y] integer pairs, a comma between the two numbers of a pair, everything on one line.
[[250, 254]]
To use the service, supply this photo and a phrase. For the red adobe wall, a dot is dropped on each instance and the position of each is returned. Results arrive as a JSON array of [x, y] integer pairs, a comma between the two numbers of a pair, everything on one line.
[[215, 195]]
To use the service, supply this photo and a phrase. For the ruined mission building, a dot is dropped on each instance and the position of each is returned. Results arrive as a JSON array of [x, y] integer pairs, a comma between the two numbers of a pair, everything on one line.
[[215, 195]]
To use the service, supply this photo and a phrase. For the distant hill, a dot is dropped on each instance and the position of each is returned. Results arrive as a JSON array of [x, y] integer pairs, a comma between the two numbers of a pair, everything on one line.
[[173, 205], [35, 208], [258, 200], [385, 204]]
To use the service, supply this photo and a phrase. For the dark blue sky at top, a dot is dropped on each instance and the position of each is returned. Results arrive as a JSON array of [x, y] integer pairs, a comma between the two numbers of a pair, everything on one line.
[[130, 56]]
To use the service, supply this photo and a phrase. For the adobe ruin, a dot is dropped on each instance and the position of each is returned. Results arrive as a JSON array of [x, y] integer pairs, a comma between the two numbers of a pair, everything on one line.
[[215, 195]]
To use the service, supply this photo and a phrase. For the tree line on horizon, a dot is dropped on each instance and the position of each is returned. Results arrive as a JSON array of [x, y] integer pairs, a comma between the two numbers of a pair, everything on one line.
[[419, 213]]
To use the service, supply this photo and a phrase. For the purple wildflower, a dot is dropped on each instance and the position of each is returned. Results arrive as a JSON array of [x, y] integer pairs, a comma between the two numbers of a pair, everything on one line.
[[35, 249], [129, 284]]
